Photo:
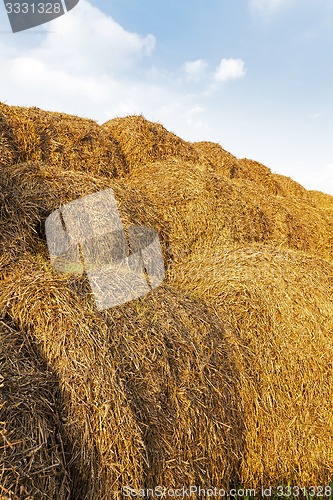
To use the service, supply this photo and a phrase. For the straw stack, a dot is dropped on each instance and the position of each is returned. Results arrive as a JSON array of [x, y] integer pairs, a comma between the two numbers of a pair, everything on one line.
[[221, 377], [144, 142], [278, 304], [61, 140]]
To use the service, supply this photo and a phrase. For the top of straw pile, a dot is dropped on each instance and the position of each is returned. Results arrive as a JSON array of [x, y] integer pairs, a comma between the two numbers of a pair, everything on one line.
[[70, 142], [222, 376], [228, 165], [144, 142]]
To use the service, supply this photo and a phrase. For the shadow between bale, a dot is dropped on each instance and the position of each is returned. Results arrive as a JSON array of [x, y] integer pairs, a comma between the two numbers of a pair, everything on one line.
[[33, 457]]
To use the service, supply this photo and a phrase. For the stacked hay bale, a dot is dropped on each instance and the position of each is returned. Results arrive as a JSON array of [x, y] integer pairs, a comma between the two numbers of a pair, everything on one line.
[[137, 383], [321, 200], [222, 161], [60, 140], [109, 375], [222, 376], [278, 304], [199, 209], [233, 168], [144, 142]]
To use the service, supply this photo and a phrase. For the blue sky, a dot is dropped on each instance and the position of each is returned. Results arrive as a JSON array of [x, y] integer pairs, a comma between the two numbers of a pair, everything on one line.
[[254, 75]]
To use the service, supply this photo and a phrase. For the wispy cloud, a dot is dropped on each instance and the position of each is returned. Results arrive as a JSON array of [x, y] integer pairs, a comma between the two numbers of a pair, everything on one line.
[[230, 69], [86, 40], [86, 64]]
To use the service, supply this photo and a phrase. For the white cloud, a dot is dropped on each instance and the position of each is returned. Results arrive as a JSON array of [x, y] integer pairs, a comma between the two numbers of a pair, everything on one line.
[[230, 69], [196, 70], [82, 63], [87, 40]]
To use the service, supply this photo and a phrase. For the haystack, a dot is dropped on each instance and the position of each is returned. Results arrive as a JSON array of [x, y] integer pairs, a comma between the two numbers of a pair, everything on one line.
[[149, 394], [222, 161], [60, 140], [279, 306], [144, 142], [231, 167], [222, 376], [199, 209], [111, 374]]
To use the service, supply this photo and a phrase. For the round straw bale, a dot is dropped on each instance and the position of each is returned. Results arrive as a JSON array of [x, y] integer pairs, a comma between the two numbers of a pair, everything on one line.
[[144, 142], [234, 168], [199, 208], [223, 161], [61, 140], [77, 352], [289, 187], [260, 174], [20, 132], [278, 304], [321, 200], [29, 192]]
